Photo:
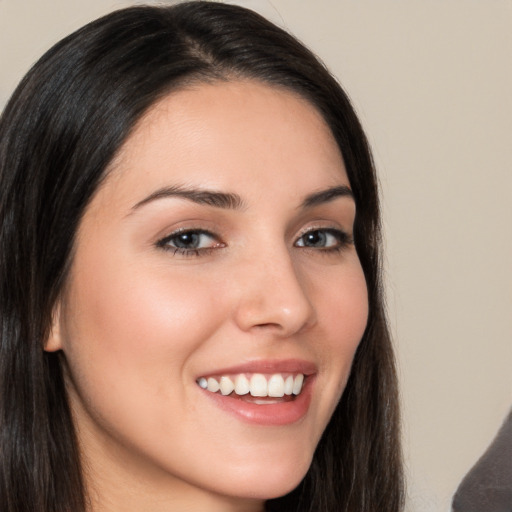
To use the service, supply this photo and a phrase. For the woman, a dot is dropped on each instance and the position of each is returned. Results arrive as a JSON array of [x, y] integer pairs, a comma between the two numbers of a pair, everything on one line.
[[191, 302]]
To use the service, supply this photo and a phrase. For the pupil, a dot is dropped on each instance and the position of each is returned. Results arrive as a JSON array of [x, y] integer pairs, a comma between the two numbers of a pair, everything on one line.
[[187, 240], [315, 238]]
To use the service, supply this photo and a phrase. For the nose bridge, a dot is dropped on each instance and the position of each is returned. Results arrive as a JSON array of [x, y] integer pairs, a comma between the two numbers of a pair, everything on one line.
[[273, 294]]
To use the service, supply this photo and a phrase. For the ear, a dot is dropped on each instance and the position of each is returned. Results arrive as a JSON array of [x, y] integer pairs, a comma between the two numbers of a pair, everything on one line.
[[54, 340]]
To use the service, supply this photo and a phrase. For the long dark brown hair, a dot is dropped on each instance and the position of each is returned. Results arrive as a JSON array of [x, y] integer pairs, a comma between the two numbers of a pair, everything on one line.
[[58, 133]]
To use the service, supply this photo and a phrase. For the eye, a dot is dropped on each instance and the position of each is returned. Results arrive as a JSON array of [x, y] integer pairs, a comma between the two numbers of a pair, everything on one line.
[[189, 242], [326, 239]]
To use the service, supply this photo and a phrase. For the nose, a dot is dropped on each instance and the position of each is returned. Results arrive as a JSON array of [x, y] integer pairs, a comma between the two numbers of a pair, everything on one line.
[[273, 296]]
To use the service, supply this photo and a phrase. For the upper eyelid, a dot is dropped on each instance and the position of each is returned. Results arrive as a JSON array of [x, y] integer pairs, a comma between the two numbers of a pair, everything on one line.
[[329, 228], [180, 231]]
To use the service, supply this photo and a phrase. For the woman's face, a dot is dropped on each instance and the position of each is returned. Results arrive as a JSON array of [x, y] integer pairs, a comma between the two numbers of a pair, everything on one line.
[[218, 252]]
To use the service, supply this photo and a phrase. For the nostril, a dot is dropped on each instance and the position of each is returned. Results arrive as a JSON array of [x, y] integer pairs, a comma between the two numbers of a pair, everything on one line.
[[268, 325]]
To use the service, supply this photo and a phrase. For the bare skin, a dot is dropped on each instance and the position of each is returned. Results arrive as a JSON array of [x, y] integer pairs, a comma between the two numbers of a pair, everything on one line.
[[167, 286]]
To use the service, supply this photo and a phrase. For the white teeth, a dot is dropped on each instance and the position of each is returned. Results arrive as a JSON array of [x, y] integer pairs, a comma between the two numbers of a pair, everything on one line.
[[276, 386], [288, 385], [226, 385], [213, 385], [242, 385], [259, 385], [297, 384]]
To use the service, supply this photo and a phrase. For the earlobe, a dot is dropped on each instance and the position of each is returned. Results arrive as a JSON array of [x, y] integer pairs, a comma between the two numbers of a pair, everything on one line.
[[54, 340]]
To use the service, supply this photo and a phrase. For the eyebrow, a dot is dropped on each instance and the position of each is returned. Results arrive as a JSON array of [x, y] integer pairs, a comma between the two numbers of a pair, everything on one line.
[[231, 201], [327, 195], [224, 200]]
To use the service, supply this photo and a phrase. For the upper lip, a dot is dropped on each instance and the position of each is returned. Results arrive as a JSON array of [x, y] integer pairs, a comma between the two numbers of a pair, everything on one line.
[[268, 366]]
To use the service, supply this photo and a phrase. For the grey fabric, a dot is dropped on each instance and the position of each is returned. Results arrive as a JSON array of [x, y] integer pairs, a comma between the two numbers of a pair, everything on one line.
[[488, 485]]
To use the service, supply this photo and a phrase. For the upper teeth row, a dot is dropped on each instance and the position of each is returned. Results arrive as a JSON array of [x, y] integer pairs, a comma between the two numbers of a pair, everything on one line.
[[257, 385]]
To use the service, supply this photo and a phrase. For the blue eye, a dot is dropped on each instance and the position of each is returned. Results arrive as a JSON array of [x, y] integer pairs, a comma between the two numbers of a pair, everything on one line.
[[189, 242], [326, 239]]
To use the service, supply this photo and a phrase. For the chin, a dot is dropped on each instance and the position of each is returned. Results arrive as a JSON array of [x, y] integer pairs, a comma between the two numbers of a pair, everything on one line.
[[273, 480]]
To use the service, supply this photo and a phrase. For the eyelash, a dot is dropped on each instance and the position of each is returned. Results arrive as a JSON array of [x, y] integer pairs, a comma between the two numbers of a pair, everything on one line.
[[342, 239]]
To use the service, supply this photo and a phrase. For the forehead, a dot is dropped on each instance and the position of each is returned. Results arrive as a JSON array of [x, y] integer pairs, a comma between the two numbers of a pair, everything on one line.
[[230, 133]]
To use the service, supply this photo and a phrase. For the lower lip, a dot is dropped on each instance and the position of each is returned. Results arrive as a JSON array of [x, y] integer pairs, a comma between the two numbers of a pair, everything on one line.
[[283, 413]]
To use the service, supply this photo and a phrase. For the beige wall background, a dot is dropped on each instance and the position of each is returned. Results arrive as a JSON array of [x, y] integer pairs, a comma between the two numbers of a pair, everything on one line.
[[432, 83]]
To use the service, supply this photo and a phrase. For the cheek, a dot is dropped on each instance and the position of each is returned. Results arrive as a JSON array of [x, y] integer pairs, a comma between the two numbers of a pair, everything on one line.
[[125, 308], [344, 307], [351, 311], [343, 315], [131, 330]]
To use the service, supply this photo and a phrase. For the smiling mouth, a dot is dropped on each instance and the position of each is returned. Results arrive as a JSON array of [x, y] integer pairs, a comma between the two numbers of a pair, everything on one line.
[[256, 388]]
